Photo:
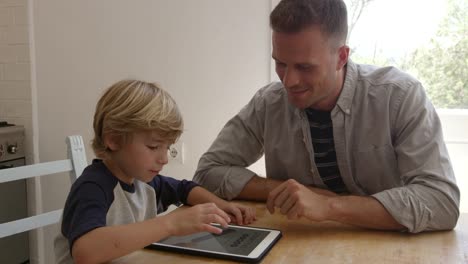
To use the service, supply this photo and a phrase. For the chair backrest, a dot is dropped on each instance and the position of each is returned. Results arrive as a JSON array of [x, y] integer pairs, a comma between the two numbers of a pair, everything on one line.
[[75, 165]]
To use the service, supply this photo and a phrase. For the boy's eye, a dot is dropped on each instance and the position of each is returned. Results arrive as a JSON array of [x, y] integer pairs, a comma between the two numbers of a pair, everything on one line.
[[153, 147]]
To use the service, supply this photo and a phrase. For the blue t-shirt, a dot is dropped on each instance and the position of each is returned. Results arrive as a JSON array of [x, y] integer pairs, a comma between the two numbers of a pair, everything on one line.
[[97, 198]]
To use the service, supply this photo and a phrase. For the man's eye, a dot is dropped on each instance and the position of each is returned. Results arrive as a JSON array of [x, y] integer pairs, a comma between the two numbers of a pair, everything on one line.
[[280, 64], [153, 147], [304, 67]]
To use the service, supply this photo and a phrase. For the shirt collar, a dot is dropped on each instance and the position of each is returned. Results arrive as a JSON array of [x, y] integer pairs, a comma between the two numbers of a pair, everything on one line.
[[345, 100]]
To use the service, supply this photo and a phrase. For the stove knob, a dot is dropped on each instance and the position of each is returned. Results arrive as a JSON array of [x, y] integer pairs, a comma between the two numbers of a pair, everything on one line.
[[12, 149]]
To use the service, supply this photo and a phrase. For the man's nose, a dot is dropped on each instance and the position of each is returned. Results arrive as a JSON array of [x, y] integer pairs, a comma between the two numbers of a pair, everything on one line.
[[290, 78]]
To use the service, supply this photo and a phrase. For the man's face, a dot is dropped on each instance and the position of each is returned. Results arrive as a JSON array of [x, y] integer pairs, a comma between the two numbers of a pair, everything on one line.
[[310, 67]]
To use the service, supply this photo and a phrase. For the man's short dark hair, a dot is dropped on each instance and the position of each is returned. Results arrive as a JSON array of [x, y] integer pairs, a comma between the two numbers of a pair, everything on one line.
[[292, 16]]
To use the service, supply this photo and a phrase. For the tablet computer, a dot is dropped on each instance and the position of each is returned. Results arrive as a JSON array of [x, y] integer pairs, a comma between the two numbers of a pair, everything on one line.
[[238, 243]]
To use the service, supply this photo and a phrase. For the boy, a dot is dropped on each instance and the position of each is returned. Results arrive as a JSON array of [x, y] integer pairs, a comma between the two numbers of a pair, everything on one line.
[[111, 208]]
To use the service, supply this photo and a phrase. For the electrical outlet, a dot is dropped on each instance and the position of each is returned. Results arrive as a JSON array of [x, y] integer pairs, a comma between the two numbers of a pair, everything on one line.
[[176, 152]]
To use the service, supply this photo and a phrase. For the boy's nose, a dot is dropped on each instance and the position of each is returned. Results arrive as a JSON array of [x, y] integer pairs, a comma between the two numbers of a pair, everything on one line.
[[163, 159]]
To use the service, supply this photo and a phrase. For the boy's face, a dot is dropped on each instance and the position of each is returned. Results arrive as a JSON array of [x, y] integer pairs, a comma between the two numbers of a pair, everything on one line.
[[142, 157]]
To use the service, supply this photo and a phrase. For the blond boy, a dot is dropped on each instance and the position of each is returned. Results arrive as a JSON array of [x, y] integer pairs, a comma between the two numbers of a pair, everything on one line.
[[112, 207]]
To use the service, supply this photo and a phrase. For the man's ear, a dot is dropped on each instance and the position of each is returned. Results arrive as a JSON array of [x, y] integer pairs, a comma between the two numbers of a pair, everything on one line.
[[343, 55], [112, 141]]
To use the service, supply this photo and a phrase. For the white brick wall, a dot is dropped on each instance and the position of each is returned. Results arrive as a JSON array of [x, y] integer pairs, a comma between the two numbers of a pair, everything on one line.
[[7, 54], [15, 87], [16, 72], [15, 68], [17, 34], [15, 90], [10, 3], [3, 34], [4, 17], [20, 15], [22, 53]]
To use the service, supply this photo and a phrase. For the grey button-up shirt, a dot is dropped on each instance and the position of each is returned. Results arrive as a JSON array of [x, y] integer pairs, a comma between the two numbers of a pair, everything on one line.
[[388, 141]]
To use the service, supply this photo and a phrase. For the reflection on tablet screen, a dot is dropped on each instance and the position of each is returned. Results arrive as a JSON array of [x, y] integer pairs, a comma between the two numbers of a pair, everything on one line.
[[233, 241]]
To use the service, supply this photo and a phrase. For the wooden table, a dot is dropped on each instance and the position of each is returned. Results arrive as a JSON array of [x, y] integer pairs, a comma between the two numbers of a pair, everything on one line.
[[330, 242]]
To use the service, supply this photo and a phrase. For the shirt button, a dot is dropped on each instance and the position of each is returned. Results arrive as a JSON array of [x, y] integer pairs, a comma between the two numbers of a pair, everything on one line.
[[347, 111]]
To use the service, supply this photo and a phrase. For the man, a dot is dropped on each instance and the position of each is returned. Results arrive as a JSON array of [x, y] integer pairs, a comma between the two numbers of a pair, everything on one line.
[[345, 142]]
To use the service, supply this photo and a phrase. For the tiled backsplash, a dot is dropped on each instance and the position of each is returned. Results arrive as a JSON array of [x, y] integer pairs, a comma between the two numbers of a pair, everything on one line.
[[15, 87]]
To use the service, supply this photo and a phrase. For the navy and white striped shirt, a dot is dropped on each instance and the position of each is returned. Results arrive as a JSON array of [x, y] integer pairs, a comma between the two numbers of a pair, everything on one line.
[[321, 131]]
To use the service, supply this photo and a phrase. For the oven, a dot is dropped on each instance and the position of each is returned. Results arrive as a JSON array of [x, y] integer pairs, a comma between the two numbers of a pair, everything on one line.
[[13, 195]]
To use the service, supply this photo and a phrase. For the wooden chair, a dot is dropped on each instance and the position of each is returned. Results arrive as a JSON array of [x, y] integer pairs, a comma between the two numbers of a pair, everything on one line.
[[75, 165]]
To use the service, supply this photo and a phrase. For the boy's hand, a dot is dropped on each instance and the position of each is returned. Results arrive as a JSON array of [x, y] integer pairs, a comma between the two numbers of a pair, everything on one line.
[[239, 214], [198, 218]]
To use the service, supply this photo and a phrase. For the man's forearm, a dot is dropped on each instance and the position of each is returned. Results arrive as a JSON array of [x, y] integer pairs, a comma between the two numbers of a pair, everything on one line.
[[363, 211], [258, 188], [296, 200]]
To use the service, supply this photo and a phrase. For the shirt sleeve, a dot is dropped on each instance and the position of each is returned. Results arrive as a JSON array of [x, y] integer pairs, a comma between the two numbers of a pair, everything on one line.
[[171, 191], [429, 198], [222, 169], [85, 210]]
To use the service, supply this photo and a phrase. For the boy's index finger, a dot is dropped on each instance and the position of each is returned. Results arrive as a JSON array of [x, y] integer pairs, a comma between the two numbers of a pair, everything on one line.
[[223, 214]]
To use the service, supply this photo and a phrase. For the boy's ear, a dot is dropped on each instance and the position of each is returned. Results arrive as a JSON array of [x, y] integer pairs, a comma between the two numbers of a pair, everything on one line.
[[112, 141]]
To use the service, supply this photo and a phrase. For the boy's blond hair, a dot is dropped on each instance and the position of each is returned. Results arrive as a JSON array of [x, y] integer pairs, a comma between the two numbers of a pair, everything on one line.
[[129, 106]]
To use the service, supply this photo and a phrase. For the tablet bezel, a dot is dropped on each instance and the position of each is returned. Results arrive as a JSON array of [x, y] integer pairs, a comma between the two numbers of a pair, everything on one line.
[[256, 255]]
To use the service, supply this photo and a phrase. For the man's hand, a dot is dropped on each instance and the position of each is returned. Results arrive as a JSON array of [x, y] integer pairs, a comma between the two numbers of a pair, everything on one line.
[[296, 200]]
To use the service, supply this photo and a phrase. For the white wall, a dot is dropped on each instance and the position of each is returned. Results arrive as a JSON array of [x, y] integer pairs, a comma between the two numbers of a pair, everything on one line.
[[211, 55]]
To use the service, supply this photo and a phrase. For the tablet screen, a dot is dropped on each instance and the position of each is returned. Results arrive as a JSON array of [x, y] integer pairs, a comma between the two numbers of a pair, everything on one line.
[[242, 243], [232, 240]]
